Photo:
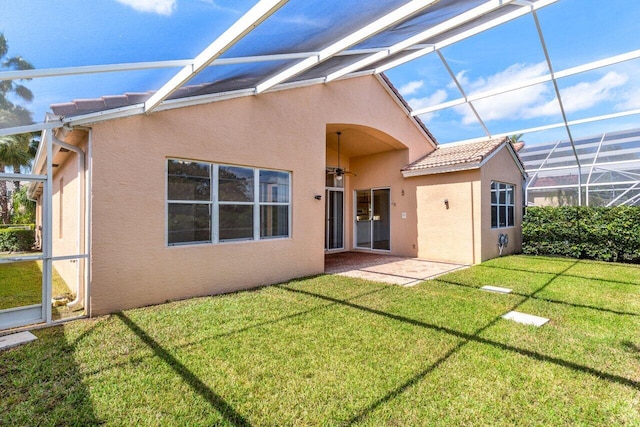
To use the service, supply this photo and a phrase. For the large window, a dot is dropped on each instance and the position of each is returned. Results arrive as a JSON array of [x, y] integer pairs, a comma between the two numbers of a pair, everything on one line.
[[217, 203], [502, 205]]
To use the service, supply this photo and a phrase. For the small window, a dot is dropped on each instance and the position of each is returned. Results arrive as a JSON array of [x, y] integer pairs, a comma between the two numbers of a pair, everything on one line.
[[274, 204], [502, 205]]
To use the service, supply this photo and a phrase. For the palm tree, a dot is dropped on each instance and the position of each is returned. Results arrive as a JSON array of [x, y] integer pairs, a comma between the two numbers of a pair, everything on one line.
[[516, 138], [11, 114], [14, 152]]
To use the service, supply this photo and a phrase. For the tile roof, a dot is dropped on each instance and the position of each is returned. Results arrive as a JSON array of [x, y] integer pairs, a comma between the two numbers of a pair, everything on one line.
[[85, 106], [456, 155]]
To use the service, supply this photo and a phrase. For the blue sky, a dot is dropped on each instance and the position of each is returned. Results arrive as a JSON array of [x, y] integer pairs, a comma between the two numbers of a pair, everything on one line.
[[66, 33]]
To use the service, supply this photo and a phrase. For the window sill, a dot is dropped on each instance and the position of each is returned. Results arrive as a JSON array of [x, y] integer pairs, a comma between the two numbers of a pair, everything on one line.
[[226, 242]]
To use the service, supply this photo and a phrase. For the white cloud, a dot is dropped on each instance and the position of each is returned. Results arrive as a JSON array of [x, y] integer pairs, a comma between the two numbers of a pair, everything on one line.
[[631, 100], [581, 96], [160, 7], [509, 105], [437, 97], [215, 5], [534, 101], [411, 87]]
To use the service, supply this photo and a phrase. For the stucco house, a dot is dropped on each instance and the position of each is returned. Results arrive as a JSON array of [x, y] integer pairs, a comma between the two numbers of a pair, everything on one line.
[[222, 196]]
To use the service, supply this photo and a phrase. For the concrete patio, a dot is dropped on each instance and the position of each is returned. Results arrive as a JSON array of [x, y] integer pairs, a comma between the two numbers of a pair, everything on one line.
[[385, 268]]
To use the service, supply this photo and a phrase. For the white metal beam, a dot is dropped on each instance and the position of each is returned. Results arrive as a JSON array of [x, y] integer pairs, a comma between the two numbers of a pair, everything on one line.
[[37, 127], [90, 69], [459, 86], [231, 36], [558, 125], [354, 38], [560, 103], [418, 38], [532, 82], [466, 34], [595, 159], [137, 66]]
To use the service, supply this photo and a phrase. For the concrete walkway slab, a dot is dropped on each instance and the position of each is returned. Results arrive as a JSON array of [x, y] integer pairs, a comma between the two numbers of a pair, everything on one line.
[[386, 268], [496, 289], [526, 319], [14, 340]]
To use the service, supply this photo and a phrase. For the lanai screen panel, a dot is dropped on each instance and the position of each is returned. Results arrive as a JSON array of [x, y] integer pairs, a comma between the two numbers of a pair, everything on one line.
[[157, 39], [609, 173]]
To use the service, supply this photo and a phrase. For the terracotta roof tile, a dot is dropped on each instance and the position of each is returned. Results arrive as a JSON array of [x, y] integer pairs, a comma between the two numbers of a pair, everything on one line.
[[518, 146], [65, 109], [115, 101], [456, 154], [84, 106]]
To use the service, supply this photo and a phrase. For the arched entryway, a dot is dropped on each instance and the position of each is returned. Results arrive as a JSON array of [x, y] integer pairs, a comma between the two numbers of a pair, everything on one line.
[[357, 189]]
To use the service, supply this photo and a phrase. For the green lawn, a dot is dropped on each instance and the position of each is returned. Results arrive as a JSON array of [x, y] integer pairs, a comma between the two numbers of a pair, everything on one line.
[[21, 284], [331, 350]]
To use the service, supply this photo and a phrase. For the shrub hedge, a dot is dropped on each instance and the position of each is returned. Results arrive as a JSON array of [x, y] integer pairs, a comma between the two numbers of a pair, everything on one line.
[[17, 239], [605, 234]]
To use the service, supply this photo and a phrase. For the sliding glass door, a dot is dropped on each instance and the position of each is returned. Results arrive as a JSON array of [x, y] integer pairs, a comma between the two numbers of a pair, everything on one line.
[[373, 222], [334, 231]]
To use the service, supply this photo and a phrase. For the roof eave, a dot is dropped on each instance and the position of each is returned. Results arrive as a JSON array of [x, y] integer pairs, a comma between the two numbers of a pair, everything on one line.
[[441, 169]]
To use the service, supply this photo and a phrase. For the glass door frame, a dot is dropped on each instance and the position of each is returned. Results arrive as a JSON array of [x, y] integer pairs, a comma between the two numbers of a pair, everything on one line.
[[371, 221], [327, 229]]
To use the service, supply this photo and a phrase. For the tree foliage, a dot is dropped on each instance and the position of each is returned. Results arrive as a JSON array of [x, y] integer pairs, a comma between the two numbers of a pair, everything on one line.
[[14, 149], [12, 114], [24, 210]]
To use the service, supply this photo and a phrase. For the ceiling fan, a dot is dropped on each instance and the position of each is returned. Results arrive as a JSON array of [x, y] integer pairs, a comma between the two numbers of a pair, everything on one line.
[[338, 171]]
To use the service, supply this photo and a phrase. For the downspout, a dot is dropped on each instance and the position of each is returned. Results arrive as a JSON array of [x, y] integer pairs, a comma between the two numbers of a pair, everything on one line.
[[87, 222], [81, 183]]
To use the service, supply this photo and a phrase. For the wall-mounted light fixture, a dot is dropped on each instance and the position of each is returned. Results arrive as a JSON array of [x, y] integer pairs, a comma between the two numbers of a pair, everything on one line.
[[318, 197], [446, 203], [403, 191]]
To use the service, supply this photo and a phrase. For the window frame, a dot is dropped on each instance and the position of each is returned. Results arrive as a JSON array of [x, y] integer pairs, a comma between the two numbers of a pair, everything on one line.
[[497, 187], [215, 204]]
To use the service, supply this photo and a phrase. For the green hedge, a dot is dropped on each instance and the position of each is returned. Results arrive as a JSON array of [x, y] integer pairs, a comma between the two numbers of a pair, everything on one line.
[[16, 239], [606, 234]]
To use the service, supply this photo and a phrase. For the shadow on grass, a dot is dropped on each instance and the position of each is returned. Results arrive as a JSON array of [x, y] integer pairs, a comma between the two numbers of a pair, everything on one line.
[[466, 338], [216, 401], [549, 300], [237, 331], [575, 276], [41, 384]]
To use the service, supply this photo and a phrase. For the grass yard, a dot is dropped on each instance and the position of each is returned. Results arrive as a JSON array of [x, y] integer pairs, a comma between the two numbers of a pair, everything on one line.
[[332, 350], [21, 284]]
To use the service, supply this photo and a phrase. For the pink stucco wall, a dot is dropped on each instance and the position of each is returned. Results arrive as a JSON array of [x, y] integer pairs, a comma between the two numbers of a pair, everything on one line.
[[501, 168], [131, 262], [449, 232], [460, 231], [68, 218]]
